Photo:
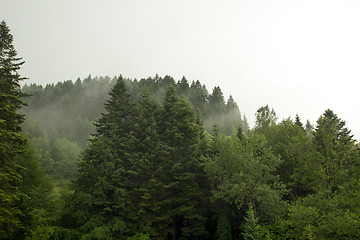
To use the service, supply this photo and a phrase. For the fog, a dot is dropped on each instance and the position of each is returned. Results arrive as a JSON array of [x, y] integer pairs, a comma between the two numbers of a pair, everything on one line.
[[300, 57]]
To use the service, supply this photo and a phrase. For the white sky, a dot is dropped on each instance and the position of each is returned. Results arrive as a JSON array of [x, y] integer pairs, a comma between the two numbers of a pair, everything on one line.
[[297, 56]]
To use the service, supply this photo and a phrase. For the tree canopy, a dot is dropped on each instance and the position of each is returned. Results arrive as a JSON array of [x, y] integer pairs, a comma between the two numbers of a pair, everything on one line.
[[162, 159]]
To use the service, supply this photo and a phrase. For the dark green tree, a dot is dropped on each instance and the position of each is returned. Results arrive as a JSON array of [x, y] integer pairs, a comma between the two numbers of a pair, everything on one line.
[[298, 122], [181, 200], [38, 207], [335, 144], [183, 87], [12, 142], [101, 187], [330, 210], [298, 155], [144, 183], [24, 189], [199, 97]]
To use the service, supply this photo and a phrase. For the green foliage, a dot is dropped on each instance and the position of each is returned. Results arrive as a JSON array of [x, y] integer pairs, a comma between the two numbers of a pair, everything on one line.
[[265, 118], [182, 175], [250, 228], [24, 189], [298, 122], [323, 166], [60, 116], [242, 172], [299, 167], [57, 156], [141, 171], [12, 142], [68, 109], [223, 231], [150, 170], [335, 146], [38, 207], [139, 236]]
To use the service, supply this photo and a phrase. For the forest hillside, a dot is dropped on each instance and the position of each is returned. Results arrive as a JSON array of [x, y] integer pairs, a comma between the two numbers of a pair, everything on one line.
[[158, 159], [60, 117]]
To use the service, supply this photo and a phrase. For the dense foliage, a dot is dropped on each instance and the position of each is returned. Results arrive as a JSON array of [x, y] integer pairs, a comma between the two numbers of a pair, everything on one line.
[[25, 190], [152, 168], [60, 116]]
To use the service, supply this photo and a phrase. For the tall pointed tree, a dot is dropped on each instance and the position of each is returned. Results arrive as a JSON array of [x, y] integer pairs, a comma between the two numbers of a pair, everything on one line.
[[24, 188], [334, 143], [12, 142], [181, 175], [100, 189], [298, 122], [144, 184], [232, 119]]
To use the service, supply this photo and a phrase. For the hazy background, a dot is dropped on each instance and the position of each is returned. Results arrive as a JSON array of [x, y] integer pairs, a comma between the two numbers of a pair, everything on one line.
[[297, 56]]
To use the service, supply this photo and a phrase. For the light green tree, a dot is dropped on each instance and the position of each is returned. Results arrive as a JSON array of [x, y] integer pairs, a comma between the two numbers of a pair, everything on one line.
[[243, 171]]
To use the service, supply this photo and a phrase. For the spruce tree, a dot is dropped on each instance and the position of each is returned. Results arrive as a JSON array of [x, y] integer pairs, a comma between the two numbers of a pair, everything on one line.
[[25, 200], [181, 198], [298, 122], [144, 184], [232, 119], [12, 142], [101, 187], [334, 143]]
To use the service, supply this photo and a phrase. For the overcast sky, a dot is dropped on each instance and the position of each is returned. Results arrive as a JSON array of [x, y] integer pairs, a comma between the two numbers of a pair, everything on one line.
[[297, 56]]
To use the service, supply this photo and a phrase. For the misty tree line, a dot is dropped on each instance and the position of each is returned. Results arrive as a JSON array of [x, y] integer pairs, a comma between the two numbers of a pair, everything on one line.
[[154, 169], [60, 116]]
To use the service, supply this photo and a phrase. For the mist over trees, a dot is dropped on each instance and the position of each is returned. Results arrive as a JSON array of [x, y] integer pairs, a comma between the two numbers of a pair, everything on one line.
[[60, 116], [162, 159], [69, 109]]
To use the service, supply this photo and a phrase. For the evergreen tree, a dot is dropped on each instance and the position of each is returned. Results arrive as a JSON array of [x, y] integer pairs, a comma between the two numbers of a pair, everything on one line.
[[309, 128], [38, 207], [181, 199], [232, 119], [335, 144], [298, 122], [12, 142], [101, 187], [183, 87], [24, 189], [144, 184], [199, 97], [245, 125]]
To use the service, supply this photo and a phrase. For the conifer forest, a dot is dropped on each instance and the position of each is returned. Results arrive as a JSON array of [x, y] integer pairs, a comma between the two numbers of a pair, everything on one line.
[[165, 159]]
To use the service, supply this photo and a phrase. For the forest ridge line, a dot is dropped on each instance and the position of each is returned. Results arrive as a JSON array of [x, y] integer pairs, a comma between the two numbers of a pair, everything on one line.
[[159, 167]]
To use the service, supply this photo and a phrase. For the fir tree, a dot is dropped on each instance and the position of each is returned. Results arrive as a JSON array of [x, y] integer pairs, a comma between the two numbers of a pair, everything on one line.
[[24, 189], [181, 173], [12, 142], [298, 122], [335, 144], [144, 184], [101, 188]]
